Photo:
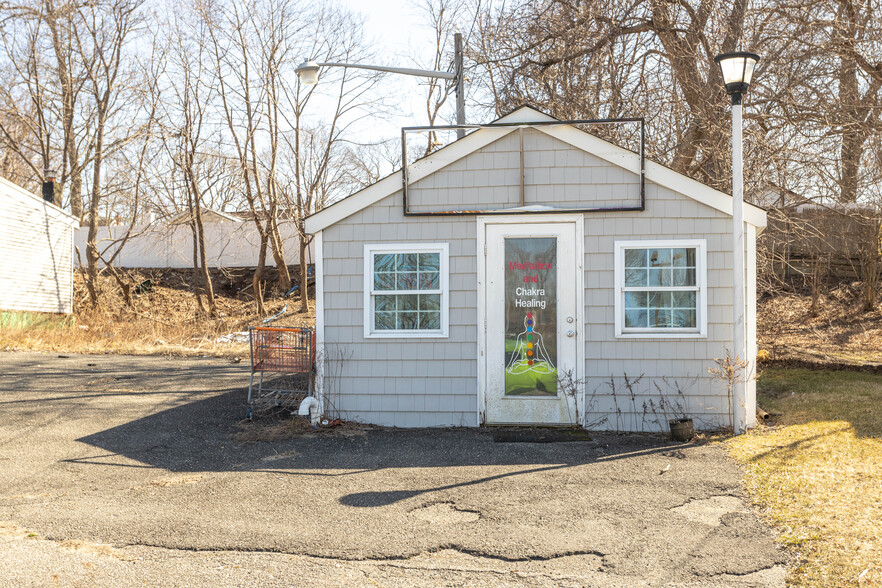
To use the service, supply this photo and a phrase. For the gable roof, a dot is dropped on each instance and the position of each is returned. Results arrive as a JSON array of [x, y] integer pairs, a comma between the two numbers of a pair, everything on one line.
[[613, 154], [207, 214], [15, 191]]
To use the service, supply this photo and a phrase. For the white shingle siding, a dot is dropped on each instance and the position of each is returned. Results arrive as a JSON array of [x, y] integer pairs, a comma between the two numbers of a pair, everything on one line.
[[401, 382], [36, 240], [430, 382]]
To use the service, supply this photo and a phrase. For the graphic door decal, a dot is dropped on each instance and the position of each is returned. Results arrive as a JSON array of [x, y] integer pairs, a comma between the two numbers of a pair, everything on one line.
[[531, 316]]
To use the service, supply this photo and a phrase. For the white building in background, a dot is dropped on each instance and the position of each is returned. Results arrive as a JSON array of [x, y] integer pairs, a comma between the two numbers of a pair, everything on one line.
[[36, 241], [230, 241]]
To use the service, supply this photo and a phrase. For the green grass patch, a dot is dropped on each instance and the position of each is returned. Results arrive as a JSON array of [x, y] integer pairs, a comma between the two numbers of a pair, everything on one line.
[[803, 396], [35, 320], [816, 472]]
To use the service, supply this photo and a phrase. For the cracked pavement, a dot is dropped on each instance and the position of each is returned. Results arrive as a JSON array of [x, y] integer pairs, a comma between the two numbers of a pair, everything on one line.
[[121, 470]]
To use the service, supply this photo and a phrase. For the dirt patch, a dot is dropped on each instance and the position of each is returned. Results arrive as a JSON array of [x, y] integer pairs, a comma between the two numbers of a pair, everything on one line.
[[281, 427], [836, 333], [99, 549], [10, 529]]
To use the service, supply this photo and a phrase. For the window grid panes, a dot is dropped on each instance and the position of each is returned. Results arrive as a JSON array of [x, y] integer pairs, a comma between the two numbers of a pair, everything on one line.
[[407, 291], [661, 289], [407, 271], [403, 312]]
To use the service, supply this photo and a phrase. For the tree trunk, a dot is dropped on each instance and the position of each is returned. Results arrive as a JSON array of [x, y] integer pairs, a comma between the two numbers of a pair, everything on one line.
[[853, 136], [92, 262], [258, 276], [91, 240], [68, 99], [196, 291], [278, 248], [850, 157], [207, 287], [871, 273]]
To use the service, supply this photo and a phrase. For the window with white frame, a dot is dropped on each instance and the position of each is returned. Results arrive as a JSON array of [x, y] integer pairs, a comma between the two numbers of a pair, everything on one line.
[[406, 290], [660, 288]]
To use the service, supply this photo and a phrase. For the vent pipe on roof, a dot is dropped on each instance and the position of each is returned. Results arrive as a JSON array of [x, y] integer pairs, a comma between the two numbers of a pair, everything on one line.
[[49, 186]]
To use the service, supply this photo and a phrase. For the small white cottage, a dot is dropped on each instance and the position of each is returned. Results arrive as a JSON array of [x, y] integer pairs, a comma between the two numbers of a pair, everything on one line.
[[36, 241], [524, 274]]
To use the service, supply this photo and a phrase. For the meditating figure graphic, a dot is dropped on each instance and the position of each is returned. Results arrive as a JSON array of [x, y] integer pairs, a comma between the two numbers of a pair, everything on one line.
[[529, 351]]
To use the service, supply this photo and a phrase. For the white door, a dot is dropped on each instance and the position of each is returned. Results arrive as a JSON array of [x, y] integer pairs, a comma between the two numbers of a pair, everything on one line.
[[532, 322]]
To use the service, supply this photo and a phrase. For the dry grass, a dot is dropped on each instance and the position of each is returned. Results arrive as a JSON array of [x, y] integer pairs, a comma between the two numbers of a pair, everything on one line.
[[839, 332], [164, 320], [817, 472]]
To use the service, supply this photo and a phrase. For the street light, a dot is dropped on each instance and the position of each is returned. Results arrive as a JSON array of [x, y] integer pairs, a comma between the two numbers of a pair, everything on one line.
[[308, 72], [737, 69]]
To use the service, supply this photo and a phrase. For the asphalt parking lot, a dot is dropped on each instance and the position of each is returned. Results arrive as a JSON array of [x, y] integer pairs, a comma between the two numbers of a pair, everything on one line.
[[122, 470]]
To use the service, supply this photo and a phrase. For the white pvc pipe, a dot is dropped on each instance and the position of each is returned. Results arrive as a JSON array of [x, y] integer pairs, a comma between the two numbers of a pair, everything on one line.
[[739, 409], [310, 407]]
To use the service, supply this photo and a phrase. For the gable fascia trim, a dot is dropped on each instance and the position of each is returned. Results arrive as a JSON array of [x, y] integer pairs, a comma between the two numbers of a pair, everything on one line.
[[13, 190], [415, 172], [613, 154], [525, 115], [655, 172]]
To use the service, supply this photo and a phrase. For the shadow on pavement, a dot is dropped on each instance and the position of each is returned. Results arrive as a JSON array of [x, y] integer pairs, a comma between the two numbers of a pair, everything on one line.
[[198, 437]]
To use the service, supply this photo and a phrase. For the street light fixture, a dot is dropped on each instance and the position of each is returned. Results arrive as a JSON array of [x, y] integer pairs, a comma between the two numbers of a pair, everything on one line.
[[308, 72], [737, 69]]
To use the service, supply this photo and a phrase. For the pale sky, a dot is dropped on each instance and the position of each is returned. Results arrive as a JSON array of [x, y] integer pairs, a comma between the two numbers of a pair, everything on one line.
[[398, 27]]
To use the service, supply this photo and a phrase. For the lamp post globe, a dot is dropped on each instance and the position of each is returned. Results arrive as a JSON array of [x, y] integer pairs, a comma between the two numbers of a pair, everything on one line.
[[308, 72], [737, 69]]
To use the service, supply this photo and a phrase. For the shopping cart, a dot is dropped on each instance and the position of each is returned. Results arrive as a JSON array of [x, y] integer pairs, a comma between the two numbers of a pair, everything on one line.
[[287, 352]]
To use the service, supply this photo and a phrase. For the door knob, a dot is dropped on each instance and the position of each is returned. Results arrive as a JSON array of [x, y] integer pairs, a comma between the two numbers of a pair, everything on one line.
[[571, 333]]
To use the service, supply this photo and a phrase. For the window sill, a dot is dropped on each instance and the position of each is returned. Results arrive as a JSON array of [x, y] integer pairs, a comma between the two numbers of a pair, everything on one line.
[[661, 335], [406, 335]]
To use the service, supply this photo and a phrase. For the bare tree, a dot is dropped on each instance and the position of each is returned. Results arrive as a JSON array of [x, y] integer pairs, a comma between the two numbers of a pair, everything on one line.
[[191, 95], [607, 59], [240, 68], [315, 180], [443, 17], [102, 35], [43, 93]]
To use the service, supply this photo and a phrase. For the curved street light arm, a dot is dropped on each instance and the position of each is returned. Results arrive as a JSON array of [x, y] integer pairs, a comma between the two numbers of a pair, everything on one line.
[[427, 73], [308, 73]]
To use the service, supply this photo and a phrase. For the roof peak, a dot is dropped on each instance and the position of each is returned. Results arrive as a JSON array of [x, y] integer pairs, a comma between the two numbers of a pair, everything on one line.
[[525, 113]]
